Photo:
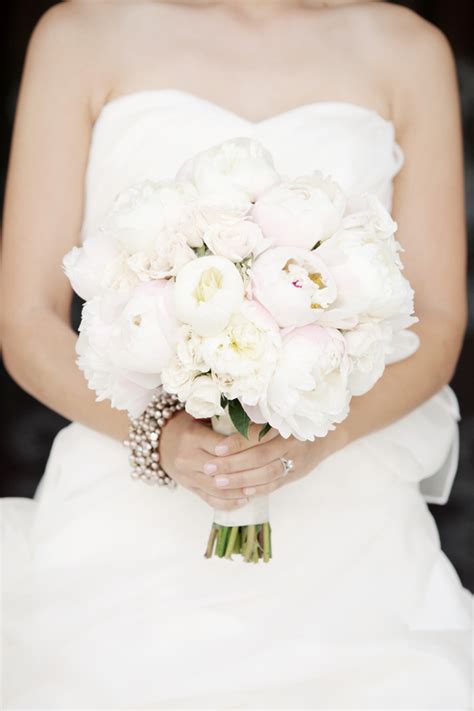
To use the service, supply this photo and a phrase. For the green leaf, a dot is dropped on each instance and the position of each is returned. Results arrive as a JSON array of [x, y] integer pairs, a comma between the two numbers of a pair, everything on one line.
[[239, 418], [266, 428], [224, 401]]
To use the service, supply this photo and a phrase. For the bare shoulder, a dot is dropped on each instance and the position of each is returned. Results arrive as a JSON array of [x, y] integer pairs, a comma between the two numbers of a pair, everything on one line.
[[406, 42], [65, 47], [89, 39], [400, 29], [65, 25], [414, 57], [104, 19]]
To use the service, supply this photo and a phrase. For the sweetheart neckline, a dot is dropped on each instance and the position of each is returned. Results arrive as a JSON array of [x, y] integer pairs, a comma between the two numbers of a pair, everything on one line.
[[123, 98]]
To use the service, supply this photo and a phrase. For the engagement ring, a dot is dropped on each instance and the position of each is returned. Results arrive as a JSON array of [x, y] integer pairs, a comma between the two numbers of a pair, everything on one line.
[[288, 465]]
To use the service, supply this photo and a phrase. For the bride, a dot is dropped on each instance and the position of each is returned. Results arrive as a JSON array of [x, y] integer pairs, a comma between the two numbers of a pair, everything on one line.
[[107, 599]]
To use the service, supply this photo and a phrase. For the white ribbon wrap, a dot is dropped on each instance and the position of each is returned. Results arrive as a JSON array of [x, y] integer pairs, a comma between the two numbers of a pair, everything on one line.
[[256, 511]]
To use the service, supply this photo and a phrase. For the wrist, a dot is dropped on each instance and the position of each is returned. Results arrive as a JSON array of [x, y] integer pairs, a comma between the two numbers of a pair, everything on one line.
[[144, 439], [332, 443]]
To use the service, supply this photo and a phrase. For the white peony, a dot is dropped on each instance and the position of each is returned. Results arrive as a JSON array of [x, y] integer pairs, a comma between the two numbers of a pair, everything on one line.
[[124, 343], [204, 399], [308, 392], [294, 285], [146, 214], [243, 356], [235, 240], [214, 211], [235, 173], [369, 213], [300, 212], [208, 291], [368, 275], [99, 264], [171, 253], [366, 347], [148, 234]]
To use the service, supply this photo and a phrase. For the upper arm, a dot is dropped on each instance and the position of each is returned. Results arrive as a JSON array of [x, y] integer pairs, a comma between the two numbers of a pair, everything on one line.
[[429, 190], [44, 191]]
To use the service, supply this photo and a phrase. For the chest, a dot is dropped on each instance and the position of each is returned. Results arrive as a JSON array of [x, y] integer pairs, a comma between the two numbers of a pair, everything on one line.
[[253, 71]]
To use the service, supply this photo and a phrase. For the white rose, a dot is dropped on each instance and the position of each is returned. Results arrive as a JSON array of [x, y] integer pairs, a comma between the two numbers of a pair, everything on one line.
[[243, 356], [208, 291], [204, 399], [178, 379], [235, 240], [366, 349], [234, 172], [294, 285], [300, 212], [308, 392], [368, 276], [186, 364], [189, 349], [124, 343]]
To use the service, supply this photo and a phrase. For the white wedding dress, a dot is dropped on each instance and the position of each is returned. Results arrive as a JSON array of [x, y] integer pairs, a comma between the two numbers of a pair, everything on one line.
[[108, 602]]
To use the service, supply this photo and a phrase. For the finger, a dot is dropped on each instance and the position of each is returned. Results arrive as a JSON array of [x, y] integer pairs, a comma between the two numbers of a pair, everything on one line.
[[265, 488], [208, 484], [208, 439], [221, 504], [246, 482], [232, 444], [248, 459]]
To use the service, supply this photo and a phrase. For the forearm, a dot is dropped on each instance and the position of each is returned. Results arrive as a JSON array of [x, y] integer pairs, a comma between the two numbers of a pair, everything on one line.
[[403, 387], [40, 355]]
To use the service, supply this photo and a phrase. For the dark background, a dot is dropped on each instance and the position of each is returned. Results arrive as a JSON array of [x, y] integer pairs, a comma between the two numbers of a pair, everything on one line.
[[28, 427]]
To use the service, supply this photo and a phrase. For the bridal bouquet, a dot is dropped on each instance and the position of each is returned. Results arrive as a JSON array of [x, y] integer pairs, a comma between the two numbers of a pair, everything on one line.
[[251, 296]]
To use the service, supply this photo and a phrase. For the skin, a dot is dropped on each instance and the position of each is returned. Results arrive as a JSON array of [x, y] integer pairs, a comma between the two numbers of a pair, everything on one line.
[[380, 56]]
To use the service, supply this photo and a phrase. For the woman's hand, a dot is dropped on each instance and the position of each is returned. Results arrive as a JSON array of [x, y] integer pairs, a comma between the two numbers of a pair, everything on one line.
[[251, 467], [186, 445]]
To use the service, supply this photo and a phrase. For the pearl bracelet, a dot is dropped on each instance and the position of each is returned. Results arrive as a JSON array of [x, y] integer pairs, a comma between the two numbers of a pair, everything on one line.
[[144, 436]]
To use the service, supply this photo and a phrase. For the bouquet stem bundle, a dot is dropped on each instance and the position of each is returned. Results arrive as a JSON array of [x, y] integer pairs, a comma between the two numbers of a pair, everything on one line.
[[253, 542], [247, 531]]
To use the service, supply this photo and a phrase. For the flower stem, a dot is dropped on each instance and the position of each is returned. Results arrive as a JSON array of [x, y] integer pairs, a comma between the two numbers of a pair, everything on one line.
[[238, 541], [231, 541], [267, 553], [222, 540], [250, 542], [210, 542]]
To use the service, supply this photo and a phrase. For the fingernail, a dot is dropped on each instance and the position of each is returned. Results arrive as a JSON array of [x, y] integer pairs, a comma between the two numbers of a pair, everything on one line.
[[250, 490], [221, 449], [209, 468], [241, 502], [222, 480]]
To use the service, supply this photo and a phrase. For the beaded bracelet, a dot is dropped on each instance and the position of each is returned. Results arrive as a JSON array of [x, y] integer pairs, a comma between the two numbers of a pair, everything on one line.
[[144, 436]]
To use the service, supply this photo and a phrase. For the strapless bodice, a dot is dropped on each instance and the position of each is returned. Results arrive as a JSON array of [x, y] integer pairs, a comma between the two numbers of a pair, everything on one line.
[[149, 134]]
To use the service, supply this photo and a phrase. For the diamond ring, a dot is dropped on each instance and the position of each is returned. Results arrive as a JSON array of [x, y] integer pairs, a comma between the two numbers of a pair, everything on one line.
[[288, 465]]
